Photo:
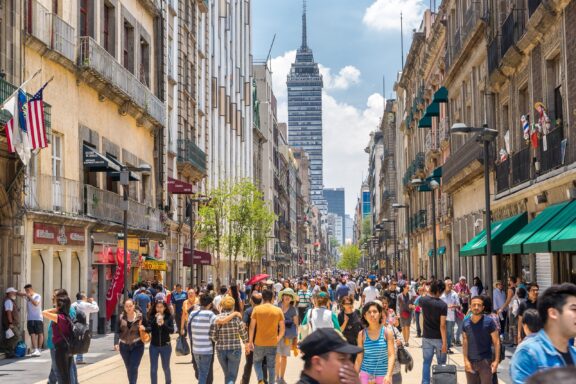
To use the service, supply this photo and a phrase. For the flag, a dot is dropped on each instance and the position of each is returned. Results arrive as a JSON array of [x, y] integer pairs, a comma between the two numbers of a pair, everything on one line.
[[35, 122], [16, 130]]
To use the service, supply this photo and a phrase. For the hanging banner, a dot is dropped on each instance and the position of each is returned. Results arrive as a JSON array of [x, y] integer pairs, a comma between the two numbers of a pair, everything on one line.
[[117, 283], [179, 187], [200, 258], [58, 234]]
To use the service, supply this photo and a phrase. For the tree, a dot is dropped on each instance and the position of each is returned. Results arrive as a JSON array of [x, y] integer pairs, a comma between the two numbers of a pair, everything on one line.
[[261, 222], [334, 243], [366, 230], [350, 258]]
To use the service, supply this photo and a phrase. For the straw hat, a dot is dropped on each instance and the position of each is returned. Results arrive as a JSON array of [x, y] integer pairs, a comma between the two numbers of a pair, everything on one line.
[[287, 291]]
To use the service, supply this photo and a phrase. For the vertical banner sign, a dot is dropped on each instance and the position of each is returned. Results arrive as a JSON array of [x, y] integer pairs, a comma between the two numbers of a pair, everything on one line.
[[117, 283]]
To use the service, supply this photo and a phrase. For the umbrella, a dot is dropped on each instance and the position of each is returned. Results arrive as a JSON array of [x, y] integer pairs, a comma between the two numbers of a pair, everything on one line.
[[257, 279]]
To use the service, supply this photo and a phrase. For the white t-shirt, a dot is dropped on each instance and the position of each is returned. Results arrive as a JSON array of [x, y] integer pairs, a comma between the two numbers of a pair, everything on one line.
[[8, 305], [370, 293], [34, 311], [450, 299], [216, 302], [278, 287]]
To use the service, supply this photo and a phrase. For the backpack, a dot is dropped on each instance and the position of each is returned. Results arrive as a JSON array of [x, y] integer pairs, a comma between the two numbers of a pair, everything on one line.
[[79, 342]]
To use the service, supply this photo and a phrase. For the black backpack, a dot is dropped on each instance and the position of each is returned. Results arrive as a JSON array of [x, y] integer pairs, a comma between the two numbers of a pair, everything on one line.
[[79, 342]]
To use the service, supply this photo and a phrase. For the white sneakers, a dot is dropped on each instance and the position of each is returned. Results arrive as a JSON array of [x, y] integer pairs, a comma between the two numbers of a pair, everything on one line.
[[36, 353]]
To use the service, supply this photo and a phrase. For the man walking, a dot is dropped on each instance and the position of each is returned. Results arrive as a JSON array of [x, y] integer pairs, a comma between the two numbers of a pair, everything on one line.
[[11, 321], [451, 299], [392, 295], [463, 292], [370, 293], [202, 347], [434, 311], [266, 330], [530, 303], [177, 300], [304, 300], [255, 301], [87, 306], [35, 323], [342, 290], [552, 346], [480, 337]]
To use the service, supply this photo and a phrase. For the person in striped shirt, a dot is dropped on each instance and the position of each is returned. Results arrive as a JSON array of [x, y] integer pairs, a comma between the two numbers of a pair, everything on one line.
[[303, 300], [200, 322]]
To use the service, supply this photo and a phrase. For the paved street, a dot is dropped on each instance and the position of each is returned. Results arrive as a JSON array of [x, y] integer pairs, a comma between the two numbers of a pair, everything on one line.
[[105, 366]]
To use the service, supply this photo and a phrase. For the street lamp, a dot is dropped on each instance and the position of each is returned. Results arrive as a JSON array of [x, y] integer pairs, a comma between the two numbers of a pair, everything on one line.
[[430, 184], [125, 181], [484, 137], [394, 258], [407, 208]]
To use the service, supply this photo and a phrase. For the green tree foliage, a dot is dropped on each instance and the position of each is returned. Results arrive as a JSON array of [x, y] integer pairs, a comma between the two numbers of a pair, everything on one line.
[[366, 230], [350, 258]]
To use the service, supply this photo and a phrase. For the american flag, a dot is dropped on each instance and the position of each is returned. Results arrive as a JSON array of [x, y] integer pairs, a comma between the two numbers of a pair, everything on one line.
[[35, 124]]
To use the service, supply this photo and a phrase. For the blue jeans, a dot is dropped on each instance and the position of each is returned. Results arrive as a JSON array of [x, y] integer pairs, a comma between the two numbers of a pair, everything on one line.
[[459, 324], [270, 354], [230, 362], [203, 362], [449, 332], [417, 318], [429, 347], [164, 352], [132, 355], [54, 377]]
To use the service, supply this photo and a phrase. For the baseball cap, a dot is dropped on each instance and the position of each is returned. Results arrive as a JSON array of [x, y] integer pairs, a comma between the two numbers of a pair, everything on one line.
[[11, 290], [326, 340]]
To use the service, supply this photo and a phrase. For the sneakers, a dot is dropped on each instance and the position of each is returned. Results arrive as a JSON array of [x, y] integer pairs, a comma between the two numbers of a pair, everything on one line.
[[450, 352], [80, 362], [35, 353]]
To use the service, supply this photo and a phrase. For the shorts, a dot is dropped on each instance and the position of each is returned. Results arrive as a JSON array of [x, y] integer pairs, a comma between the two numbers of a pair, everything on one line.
[[284, 349], [35, 327], [365, 378], [405, 322]]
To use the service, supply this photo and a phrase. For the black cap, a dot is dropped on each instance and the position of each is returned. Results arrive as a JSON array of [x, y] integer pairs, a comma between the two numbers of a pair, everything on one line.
[[326, 340]]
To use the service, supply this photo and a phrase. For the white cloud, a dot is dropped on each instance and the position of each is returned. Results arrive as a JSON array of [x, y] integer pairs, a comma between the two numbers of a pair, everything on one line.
[[346, 128], [385, 14], [349, 75]]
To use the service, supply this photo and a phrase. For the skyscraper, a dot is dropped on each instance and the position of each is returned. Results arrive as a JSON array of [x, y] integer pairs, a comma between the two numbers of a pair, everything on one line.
[[305, 114], [335, 199]]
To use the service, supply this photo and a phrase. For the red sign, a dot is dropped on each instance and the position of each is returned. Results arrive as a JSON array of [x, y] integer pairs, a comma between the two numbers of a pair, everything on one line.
[[179, 187], [58, 234], [117, 283], [200, 258]]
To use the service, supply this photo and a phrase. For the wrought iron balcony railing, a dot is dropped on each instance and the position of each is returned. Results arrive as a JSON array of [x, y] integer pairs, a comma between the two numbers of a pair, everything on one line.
[[513, 28], [54, 194], [189, 152], [52, 30]]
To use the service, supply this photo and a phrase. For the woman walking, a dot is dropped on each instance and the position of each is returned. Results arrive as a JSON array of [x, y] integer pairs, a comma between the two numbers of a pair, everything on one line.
[[160, 326], [287, 298], [127, 339], [61, 333], [376, 362], [227, 338], [406, 307], [349, 321], [321, 316]]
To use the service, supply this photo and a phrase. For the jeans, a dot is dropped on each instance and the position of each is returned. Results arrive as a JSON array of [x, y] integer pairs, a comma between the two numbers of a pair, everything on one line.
[[203, 362], [230, 362], [248, 369], [164, 352], [429, 347], [132, 355], [64, 363], [270, 354], [54, 376], [449, 332], [80, 357], [482, 372], [459, 324], [418, 330]]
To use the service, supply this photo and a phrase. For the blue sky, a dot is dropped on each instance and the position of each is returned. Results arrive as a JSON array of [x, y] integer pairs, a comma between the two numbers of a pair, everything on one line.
[[356, 42]]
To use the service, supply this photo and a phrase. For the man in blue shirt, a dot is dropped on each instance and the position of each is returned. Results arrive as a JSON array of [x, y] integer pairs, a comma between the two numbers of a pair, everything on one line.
[[143, 300], [480, 335], [552, 346], [177, 300], [342, 290]]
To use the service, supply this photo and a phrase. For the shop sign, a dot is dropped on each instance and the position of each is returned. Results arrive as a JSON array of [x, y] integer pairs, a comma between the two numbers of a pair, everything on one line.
[[154, 265], [200, 258], [58, 234], [179, 187]]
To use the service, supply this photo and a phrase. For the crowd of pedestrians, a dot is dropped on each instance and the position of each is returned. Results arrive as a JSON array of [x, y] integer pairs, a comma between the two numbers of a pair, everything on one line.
[[348, 328]]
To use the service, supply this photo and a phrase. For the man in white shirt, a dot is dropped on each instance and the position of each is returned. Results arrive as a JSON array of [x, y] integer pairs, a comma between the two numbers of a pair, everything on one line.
[[352, 286], [218, 299], [34, 324], [370, 293], [87, 306], [453, 302]]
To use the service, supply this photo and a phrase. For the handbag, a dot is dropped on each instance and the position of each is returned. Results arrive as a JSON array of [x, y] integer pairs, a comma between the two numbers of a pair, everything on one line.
[[403, 356], [182, 347], [305, 330], [405, 314], [144, 336]]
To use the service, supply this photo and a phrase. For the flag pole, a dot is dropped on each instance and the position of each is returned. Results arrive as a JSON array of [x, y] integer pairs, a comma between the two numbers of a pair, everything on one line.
[[23, 84]]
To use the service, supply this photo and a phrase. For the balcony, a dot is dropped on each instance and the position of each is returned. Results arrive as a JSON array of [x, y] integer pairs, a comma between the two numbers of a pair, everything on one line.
[[52, 36], [463, 165], [521, 166], [552, 158], [493, 55], [502, 171], [105, 206], [191, 159], [456, 43], [111, 79], [512, 29], [54, 195], [6, 90]]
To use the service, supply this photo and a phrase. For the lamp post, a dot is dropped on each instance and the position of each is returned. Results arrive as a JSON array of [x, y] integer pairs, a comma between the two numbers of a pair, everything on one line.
[[484, 137], [395, 240], [407, 208], [125, 182], [430, 184]]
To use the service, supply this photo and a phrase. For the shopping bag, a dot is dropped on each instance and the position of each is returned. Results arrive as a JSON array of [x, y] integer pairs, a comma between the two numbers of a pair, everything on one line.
[[182, 347]]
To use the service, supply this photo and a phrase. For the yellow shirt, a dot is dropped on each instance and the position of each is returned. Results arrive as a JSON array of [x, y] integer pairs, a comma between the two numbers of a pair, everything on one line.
[[267, 317]]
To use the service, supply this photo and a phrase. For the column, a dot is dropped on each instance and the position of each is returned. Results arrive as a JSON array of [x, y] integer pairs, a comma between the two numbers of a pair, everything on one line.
[[48, 258], [66, 258]]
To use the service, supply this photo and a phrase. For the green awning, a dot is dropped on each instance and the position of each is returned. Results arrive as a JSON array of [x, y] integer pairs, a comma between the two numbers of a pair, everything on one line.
[[540, 241], [433, 110], [441, 250], [565, 241], [425, 122], [440, 96], [515, 244], [501, 232]]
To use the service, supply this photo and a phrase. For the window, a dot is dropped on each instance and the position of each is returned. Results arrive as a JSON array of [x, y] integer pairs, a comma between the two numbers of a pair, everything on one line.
[[144, 62], [109, 29], [128, 48], [57, 156], [111, 185], [86, 17]]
